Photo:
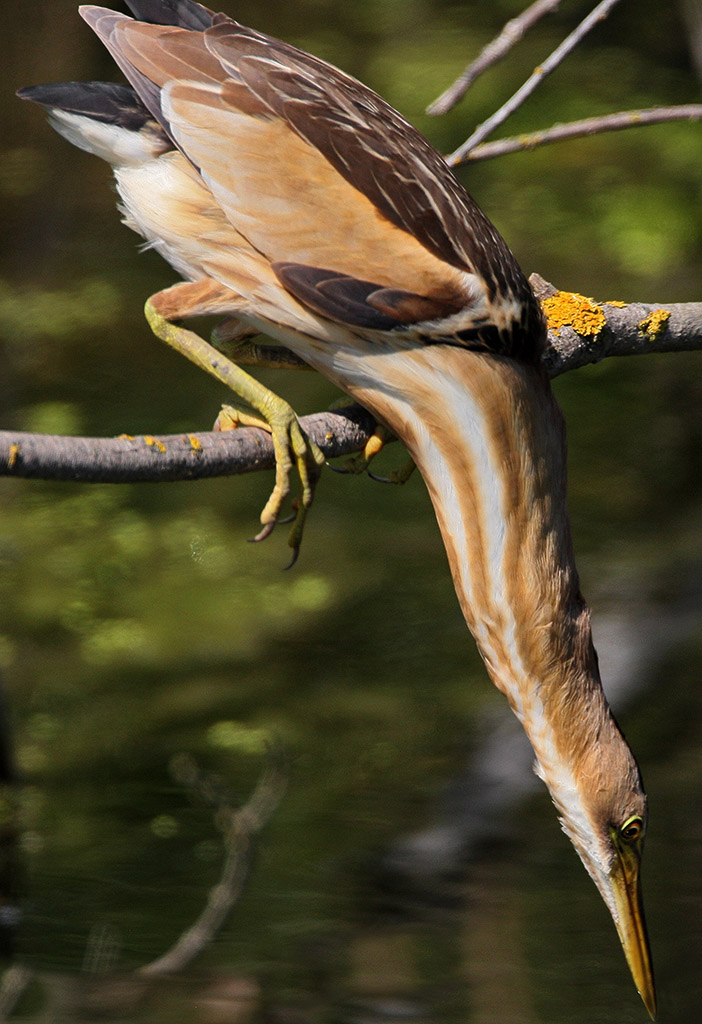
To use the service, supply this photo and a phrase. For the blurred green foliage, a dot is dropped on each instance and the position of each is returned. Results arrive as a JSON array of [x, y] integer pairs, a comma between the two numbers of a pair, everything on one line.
[[137, 622]]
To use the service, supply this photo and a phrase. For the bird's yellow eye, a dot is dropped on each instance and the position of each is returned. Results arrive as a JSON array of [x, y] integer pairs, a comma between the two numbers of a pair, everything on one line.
[[632, 830]]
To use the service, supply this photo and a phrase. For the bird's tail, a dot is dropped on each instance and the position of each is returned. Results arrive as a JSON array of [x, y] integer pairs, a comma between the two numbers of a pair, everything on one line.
[[103, 118]]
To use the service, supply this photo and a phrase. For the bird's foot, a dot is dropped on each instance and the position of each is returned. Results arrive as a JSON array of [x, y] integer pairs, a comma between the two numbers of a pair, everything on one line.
[[396, 476], [292, 448], [360, 463], [230, 417]]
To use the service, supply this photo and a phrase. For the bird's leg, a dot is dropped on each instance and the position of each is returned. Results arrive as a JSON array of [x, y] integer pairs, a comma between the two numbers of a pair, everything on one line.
[[290, 444], [232, 338]]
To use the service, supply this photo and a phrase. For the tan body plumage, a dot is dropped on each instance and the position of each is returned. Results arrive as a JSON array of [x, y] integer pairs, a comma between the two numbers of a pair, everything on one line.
[[295, 201]]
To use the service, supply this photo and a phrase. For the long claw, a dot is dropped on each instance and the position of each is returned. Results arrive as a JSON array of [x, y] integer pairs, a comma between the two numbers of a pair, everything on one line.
[[295, 554], [262, 534], [292, 449], [342, 470], [397, 476]]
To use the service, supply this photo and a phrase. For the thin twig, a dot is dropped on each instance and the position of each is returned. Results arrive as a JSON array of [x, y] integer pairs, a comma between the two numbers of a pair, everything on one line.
[[598, 14], [586, 126], [239, 840], [495, 50]]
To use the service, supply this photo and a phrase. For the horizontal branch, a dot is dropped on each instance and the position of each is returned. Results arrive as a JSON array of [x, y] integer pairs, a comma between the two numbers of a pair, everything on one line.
[[168, 457], [578, 129], [581, 331]]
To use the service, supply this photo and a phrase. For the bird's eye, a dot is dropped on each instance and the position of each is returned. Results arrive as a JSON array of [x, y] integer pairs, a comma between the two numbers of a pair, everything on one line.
[[632, 829]]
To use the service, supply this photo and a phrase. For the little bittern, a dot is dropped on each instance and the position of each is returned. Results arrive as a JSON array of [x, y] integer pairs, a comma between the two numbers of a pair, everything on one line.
[[298, 204]]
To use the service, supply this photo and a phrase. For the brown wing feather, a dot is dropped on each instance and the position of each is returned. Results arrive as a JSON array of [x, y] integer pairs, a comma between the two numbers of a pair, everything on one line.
[[368, 199], [362, 303], [372, 146]]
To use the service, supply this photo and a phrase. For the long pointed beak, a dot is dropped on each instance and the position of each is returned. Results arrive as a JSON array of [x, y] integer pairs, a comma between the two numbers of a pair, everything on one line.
[[625, 890]]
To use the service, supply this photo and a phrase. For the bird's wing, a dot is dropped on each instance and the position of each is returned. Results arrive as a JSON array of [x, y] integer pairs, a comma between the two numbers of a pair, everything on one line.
[[359, 216]]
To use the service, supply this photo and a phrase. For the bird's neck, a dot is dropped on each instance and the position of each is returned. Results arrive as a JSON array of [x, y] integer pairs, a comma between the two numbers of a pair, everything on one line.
[[488, 438]]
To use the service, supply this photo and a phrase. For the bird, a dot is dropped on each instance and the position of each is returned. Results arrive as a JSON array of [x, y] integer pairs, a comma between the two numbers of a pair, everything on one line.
[[295, 203]]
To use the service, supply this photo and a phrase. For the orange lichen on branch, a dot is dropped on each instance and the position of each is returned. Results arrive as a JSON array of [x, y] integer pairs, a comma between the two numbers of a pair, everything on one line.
[[568, 309], [654, 324], [153, 442], [194, 443], [13, 456]]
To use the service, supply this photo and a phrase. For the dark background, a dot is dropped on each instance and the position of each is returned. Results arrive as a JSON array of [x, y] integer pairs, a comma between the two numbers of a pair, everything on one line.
[[137, 623]]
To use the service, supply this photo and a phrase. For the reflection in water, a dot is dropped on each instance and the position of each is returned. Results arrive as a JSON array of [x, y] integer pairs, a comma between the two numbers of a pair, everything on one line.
[[436, 932]]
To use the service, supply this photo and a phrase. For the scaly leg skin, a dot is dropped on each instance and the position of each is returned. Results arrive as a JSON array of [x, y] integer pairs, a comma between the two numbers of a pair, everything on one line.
[[289, 442]]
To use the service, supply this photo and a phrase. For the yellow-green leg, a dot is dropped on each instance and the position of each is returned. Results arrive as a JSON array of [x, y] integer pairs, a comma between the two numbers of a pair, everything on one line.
[[290, 444]]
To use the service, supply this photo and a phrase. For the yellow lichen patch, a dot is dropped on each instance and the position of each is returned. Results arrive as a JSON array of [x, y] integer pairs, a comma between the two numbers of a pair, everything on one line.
[[654, 324], [194, 443], [568, 309], [13, 456], [155, 443], [615, 302]]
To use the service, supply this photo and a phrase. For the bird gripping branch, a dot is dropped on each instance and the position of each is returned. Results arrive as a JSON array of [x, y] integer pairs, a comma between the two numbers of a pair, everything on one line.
[[297, 203]]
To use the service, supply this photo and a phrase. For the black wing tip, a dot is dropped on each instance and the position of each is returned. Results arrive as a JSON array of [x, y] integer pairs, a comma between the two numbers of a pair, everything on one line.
[[179, 13], [108, 102], [27, 92], [56, 93]]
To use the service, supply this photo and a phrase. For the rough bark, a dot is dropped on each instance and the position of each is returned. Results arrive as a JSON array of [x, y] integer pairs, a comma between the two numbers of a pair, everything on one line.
[[581, 331]]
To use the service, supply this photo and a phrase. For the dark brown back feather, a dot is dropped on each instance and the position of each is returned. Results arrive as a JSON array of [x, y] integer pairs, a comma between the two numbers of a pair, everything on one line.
[[183, 13], [372, 146], [361, 303]]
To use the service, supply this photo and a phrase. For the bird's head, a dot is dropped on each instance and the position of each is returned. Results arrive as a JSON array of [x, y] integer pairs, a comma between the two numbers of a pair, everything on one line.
[[603, 812]]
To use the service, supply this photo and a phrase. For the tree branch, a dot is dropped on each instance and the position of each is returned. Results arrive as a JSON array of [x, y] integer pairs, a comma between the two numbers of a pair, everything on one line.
[[148, 459], [495, 51], [240, 832], [535, 79], [578, 129], [581, 331]]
